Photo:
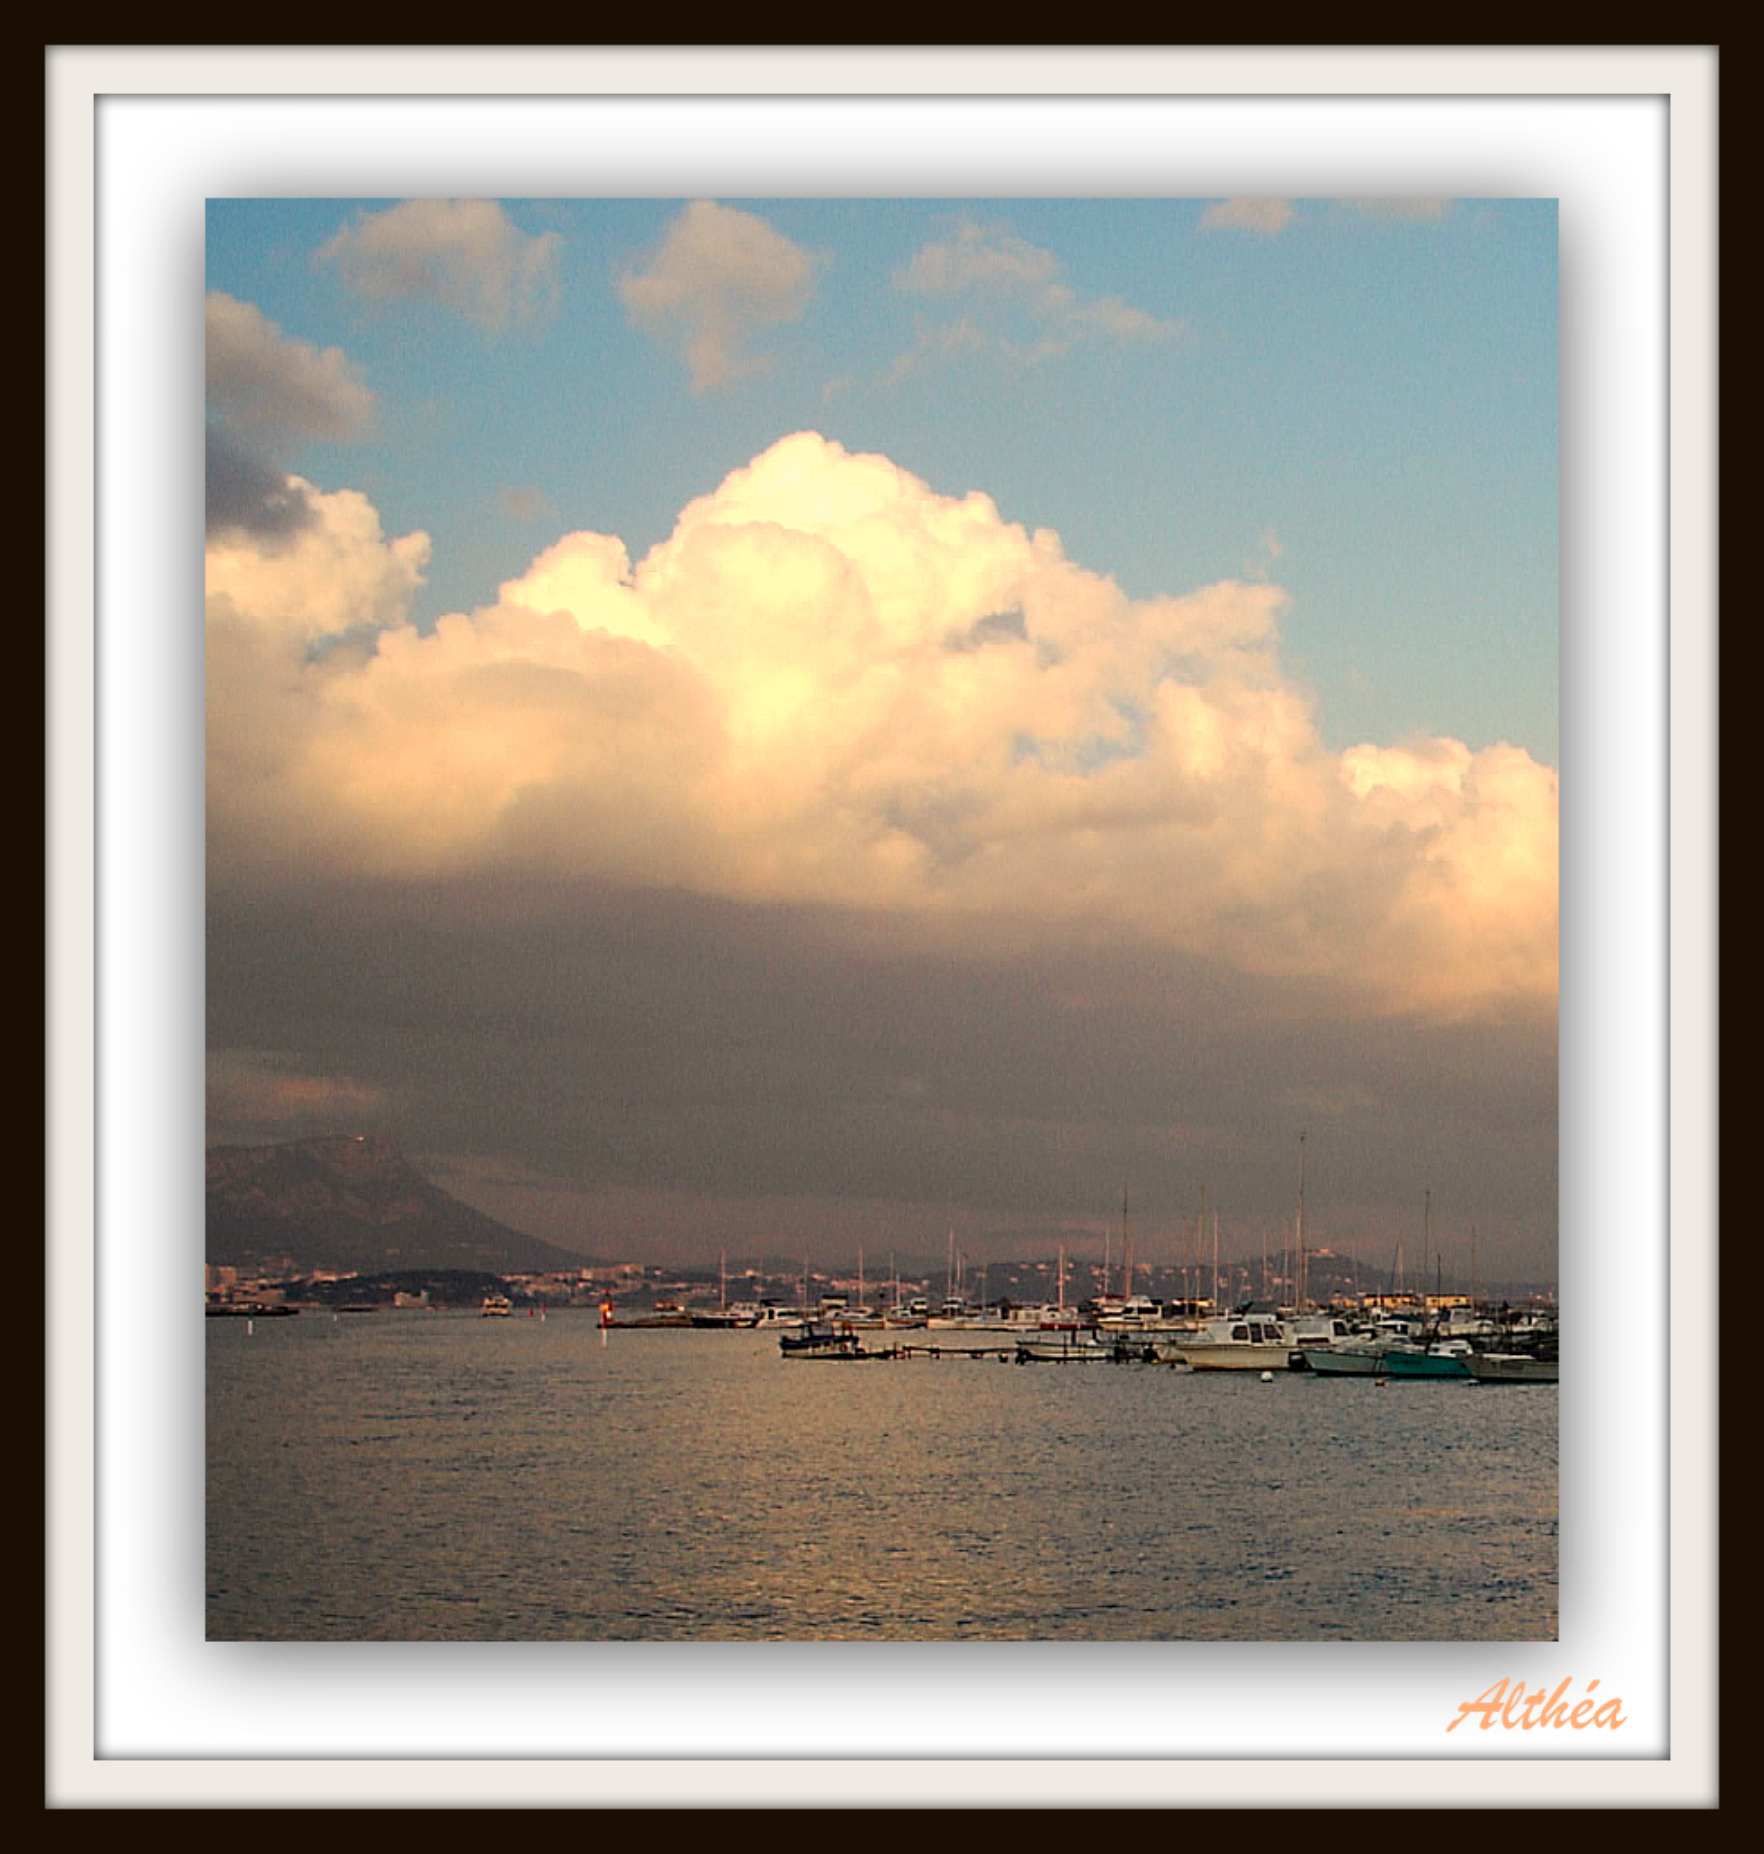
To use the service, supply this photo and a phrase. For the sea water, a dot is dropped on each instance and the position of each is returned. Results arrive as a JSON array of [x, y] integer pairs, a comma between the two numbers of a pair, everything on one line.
[[424, 1476]]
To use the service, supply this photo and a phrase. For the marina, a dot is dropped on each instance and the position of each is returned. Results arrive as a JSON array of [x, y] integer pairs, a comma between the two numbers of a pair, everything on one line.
[[1328, 1345]]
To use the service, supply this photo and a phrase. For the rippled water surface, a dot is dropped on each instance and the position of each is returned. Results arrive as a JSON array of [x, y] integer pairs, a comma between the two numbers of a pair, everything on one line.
[[428, 1476]]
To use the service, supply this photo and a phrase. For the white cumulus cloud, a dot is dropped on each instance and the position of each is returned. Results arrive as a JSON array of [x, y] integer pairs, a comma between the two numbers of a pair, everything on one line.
[[719, 278], [1404, 207], [466, 254], [831, 684], [1269, 217], [1015, 303], [980, 257]]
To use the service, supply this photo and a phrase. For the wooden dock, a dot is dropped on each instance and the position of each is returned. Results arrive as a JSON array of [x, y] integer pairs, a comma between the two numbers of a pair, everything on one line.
[[1004, 1353]]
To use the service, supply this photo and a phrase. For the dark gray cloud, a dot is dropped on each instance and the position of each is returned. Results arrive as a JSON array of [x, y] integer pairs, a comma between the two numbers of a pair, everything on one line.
[[989, 629], [262, 380], [247, 493], [267, 392], [656, 1051]]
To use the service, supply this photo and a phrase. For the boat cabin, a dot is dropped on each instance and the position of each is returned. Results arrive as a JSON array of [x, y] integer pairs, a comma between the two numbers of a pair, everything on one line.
[[1244, 1329]]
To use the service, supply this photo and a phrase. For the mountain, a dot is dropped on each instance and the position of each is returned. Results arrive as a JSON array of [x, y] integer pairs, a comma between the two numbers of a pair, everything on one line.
[[352, 1204]]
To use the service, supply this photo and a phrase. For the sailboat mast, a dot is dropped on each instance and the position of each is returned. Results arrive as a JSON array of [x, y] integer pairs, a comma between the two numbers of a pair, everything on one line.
[[1200, 1249], [1303, 1268], [1126, 1251]]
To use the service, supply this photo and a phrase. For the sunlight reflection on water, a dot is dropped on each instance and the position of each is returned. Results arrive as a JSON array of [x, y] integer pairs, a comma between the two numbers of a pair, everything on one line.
[[443, 1477]]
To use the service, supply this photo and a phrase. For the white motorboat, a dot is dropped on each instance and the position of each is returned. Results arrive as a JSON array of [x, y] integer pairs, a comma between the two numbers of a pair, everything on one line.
[[1313, 1331], [1237, 1342], [1362, 1354]]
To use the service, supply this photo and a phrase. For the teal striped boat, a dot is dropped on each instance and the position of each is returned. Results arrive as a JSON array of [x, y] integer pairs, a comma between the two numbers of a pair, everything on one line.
[[1447, 1360]]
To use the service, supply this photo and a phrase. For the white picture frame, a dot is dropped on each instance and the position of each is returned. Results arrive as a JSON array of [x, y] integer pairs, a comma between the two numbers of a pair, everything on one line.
[[141, 1711]]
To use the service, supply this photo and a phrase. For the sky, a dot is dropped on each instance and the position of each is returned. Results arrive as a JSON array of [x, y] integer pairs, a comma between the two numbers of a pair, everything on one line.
[[777, 726]]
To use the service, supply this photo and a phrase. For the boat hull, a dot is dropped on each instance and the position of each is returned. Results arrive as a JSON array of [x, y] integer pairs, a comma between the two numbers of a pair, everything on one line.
[[1241, 1356], [1512, 1368], [1062, 1351], [1425, 1365], [1332, 1364], [814, 1340]]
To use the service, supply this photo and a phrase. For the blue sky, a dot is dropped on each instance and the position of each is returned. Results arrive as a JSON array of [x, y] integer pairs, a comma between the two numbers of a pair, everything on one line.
[[1375, 391], [777, 724]]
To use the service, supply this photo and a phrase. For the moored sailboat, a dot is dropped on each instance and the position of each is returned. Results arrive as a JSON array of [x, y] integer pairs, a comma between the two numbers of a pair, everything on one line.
[[1062, 1336]]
